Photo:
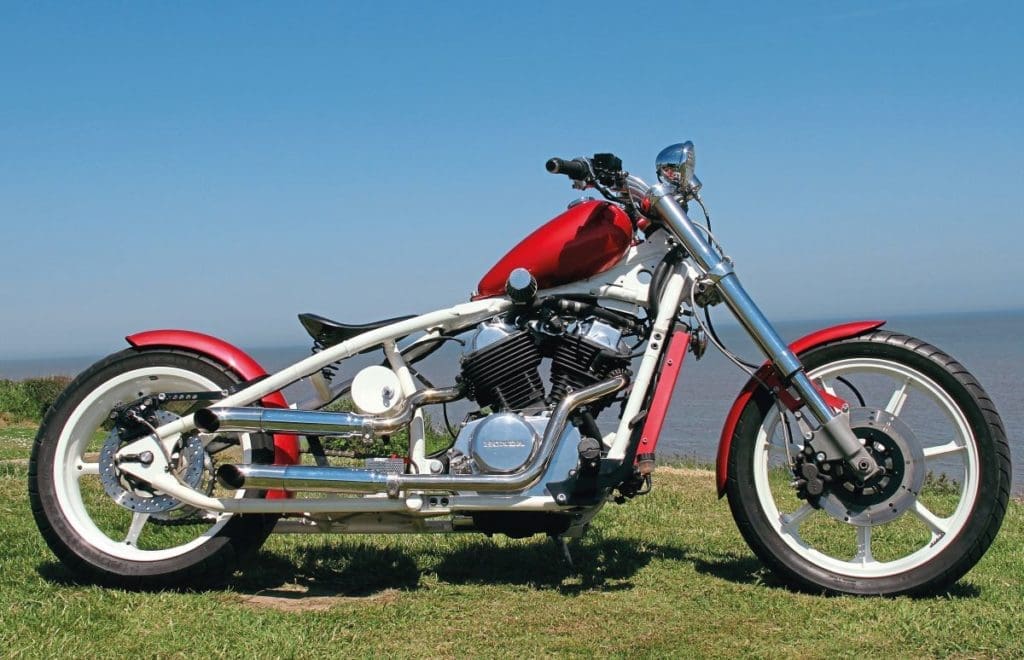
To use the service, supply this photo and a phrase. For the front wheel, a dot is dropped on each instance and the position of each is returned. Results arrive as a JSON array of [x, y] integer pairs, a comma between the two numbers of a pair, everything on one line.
[[918, 528], [105, 526]]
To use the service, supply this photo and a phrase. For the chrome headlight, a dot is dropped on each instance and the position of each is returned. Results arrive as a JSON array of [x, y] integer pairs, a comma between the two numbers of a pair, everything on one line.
[[675, 166]]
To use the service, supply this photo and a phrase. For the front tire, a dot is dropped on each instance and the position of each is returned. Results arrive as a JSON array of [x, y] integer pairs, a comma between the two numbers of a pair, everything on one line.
[[916, 532], [70, 480]]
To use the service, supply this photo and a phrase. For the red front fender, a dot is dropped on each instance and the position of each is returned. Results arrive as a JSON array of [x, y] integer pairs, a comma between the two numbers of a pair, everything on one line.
[[286, 447], [802, 345]]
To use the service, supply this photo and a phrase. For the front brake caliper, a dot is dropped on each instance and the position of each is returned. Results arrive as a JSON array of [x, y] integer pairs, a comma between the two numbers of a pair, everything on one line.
[[809, 478]]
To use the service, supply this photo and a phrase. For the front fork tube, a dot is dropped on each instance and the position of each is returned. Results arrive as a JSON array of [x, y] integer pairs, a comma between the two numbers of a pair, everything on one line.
[[834, 437]]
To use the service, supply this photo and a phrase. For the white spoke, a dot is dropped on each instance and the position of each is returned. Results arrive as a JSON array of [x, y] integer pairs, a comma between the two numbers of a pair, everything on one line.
[[938, 526], [82, 469], [898, 398], [825, 386], [950, 447], [791, 522], [863, 555], [138, 521]]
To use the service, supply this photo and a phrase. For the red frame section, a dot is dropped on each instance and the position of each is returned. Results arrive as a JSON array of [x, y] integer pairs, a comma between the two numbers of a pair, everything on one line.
[[674, 356], [286, 447], [800, 346]]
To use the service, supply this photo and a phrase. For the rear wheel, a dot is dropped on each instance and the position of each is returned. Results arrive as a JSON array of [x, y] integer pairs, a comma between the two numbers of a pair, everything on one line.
[[917, 529], [106, 527]]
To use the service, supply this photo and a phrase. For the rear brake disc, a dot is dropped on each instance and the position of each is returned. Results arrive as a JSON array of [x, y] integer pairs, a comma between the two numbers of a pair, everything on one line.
[[137, 496]]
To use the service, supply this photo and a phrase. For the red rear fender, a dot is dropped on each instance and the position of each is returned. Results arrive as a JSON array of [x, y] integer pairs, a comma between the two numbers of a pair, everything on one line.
[[286, 447], [800, 346]]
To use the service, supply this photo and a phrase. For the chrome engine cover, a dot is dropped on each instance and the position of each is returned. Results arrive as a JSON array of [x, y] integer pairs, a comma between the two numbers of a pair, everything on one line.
[[605, 335], [489, 332], [465, 459], [503, 443]]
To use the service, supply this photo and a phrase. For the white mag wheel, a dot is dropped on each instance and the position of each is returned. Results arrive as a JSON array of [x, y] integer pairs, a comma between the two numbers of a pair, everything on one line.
[[917, 529], [107, 527]]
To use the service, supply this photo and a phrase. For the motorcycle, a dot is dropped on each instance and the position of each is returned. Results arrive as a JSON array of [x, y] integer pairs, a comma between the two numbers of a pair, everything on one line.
[[855, 460]]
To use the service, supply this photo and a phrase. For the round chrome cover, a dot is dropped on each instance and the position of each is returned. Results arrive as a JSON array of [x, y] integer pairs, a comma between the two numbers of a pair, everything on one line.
[[376, 390], [503, 443]]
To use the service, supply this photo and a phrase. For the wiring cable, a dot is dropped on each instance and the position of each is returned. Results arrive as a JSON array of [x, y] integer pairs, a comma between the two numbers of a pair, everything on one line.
[[744, 366]]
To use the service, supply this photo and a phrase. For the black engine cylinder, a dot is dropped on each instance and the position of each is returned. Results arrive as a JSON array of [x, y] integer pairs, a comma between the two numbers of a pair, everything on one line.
[[505, 374], [578, 362]]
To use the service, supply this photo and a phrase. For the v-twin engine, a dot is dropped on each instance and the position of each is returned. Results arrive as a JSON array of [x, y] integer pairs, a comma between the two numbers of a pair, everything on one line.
[[501, 370], [501, 367]]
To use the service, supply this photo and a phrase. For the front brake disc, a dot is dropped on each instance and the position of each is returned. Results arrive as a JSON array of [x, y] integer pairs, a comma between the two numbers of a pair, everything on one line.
[[887, 497]]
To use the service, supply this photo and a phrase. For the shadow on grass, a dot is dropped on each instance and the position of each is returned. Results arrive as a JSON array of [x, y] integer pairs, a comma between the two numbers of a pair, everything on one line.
[[362, 570], [599, 564], [331, 570], [750, 570]]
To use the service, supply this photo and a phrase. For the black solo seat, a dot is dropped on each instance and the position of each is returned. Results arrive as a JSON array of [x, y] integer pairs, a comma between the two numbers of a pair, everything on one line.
[[326, 332]]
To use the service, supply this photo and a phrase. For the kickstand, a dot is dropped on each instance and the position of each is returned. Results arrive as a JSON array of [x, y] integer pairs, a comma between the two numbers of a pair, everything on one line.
[[563, 543], [316, 448]]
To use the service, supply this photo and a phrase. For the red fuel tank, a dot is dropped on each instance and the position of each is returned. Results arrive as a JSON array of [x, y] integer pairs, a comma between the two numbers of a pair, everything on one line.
[[588, 239]]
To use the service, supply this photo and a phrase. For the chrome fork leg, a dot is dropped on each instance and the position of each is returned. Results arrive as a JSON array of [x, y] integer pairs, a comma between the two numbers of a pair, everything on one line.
[[835, 437]]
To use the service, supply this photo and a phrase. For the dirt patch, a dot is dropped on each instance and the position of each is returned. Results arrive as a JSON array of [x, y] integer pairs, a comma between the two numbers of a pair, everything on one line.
[[297, 598]]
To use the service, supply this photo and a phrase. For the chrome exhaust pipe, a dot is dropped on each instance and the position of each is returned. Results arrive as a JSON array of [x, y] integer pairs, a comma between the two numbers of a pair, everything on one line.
[[348, 480], [314, 422], [302, 477]]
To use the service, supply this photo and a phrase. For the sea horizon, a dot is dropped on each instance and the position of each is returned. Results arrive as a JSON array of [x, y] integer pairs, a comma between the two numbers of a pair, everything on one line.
[[11, 365], [986, 343]]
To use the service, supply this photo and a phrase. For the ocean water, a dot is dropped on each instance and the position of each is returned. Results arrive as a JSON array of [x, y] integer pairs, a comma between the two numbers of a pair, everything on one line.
[[989, 345]]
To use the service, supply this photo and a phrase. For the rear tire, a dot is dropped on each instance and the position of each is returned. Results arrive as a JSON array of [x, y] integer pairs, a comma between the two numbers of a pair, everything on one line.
[[80, 521], [934, 527]]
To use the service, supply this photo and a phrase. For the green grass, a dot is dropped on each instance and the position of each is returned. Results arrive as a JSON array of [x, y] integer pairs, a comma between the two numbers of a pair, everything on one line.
[[16, 443], [27, 400], [664, 575]]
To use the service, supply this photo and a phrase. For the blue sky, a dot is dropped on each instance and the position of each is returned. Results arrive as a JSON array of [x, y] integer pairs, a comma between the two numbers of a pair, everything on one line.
[[225, 166]]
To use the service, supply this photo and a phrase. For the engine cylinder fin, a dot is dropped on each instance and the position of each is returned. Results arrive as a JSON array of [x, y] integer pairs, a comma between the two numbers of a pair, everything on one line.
[[505, 374], [578, 362]]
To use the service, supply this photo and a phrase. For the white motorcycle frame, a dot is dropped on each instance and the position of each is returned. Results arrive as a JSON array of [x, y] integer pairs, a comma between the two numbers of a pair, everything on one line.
[[623, 287]]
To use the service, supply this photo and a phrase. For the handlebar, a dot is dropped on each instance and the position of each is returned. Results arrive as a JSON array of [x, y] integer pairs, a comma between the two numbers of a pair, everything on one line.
[[605, 173], [577, 168]]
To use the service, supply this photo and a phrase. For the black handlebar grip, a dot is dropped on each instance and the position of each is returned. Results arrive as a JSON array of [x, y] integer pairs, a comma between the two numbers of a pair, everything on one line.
[[577, 168]]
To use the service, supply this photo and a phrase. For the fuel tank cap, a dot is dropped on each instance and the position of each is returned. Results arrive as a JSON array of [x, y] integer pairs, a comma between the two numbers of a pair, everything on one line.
[[521, 286]]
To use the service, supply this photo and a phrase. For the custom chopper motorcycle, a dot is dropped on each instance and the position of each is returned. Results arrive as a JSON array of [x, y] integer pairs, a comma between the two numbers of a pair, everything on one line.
[[855, 460]]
